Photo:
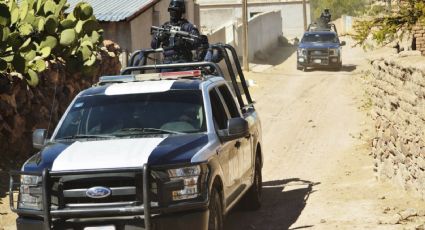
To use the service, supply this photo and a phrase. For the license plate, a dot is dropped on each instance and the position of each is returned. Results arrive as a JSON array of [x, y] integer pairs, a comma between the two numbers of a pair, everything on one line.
[[317, 61], [108, 227]]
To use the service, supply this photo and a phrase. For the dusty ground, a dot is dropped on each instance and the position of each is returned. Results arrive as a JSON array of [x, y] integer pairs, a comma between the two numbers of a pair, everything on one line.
[[317, 173]]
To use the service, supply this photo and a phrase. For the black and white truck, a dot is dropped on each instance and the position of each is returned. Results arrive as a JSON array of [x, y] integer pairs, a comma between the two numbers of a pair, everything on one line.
[[147, 149]]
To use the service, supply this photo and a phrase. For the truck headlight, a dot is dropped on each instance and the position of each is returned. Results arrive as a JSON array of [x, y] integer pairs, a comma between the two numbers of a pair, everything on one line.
[[191, 177], [30, 193], [302, 52], [333, 52]]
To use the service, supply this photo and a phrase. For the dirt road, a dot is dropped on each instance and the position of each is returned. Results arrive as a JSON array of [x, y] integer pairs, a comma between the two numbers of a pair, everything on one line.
[[317, 171]]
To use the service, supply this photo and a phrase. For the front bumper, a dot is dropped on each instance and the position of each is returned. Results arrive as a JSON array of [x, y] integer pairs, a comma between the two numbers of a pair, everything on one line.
[[128, 215], [194, 219], [311, 61]]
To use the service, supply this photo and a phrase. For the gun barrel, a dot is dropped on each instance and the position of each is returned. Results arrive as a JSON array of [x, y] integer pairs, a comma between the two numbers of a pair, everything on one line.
[[156, 29]]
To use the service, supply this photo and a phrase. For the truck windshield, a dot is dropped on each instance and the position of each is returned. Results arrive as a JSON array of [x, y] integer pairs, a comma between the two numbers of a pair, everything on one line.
[[136, 114], [320, 38]]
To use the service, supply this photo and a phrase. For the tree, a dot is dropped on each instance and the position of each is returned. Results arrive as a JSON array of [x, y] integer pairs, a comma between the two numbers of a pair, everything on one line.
[[391, 26], [338, 7]]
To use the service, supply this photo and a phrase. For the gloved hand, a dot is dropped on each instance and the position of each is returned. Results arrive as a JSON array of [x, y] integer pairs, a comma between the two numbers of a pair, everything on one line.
[[179, 42], [161, 36]]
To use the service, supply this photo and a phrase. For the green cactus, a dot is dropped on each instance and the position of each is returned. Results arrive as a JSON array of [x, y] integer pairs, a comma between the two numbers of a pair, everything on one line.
[[51, 25], [38, 65], [49, 7], [5, 16], [45, 52], [36, 31], [32, 78], [4, 34], [14, 17], [49, 41], [68, 23], [68, 37], [86, 11], [23, 10], [19, 63], [25, 29], [29, 56]]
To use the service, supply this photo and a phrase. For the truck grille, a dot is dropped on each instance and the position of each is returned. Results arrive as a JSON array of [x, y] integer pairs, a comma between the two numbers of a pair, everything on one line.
[[70, 191], [318, 52], [318, 56]]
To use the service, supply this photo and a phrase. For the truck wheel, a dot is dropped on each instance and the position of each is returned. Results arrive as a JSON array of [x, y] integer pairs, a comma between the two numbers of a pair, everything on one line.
[[299, 67], [252, 199], [215, 221], [338, 67]]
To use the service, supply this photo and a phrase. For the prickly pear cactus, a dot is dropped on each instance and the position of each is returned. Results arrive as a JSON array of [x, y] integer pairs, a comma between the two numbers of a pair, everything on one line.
[[36, 32]]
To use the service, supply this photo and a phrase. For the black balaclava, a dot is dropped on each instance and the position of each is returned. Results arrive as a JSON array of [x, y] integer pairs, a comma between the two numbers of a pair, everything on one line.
[[177, 9]]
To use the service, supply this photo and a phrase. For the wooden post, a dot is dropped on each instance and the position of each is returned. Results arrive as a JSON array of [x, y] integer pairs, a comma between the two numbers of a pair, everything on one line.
[[305, 14], [245, 53]]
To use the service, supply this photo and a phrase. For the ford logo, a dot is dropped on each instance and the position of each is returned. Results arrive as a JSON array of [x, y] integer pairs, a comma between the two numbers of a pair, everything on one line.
[[98, 192]]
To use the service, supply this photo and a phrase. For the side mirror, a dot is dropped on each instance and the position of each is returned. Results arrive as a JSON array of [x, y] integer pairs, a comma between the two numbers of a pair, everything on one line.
[[343, 43], [39, 138], [237, 128]]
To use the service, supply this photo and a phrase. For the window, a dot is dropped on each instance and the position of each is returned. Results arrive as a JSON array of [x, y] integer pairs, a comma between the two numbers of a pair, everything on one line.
[[219, 113], [229, 100], [320, 38], [179, 111]]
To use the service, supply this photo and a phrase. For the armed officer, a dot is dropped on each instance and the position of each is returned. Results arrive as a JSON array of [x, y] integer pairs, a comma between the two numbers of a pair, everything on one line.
[[326, 16], [177, 49]]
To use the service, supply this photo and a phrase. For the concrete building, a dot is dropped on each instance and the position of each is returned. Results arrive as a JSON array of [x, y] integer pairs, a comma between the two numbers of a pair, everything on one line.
[[216, 13], [128, 22]]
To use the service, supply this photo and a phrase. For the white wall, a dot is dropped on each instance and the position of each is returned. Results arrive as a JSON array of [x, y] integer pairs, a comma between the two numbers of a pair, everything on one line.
[[214, 15], [263, 33]]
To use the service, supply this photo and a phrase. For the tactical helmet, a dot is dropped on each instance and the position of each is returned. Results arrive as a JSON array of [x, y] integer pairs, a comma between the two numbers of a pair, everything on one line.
[[177, 5]]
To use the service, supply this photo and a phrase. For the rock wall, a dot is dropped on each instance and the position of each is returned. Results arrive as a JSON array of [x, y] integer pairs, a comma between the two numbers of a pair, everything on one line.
[[397, 89], [419, 36], [23, 108]]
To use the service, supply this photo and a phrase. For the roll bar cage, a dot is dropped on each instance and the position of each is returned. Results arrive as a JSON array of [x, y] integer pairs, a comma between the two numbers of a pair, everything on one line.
[[138, 62]]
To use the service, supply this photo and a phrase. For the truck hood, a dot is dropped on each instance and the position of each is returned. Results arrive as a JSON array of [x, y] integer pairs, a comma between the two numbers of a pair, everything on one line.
[[117, 153], [319, 45]]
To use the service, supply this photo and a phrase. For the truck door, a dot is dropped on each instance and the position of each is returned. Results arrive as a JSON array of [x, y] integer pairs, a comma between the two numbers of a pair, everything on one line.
[[228, 153], [245, 156]]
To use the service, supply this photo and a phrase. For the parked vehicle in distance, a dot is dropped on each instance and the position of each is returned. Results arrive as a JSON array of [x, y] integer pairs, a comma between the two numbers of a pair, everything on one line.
[[320, 49], [148, 149]]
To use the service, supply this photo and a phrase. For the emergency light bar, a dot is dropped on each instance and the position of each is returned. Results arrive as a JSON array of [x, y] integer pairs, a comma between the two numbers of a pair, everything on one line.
[[151, 76]]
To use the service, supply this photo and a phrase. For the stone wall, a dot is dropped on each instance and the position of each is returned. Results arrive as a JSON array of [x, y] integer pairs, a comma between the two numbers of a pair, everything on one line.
[[419, 36], [397, 89], [23, 108]]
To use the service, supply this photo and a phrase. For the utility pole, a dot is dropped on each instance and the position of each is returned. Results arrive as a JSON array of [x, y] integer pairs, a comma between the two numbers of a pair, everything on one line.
[[245, 53], [305, 14]]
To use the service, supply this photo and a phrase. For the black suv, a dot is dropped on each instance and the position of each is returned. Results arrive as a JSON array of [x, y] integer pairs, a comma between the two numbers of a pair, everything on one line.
[[319, 48]]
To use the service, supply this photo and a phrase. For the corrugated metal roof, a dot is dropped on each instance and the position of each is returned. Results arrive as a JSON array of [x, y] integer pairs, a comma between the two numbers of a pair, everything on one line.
[[114, 10]]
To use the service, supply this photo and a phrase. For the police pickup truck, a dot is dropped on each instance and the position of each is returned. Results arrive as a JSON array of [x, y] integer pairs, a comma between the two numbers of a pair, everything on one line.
[[320, 48], [148, 149]]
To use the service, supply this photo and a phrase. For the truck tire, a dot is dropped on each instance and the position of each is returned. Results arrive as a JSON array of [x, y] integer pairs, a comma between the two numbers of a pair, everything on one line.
[[215, 221], [299, 67], [252, 199]]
